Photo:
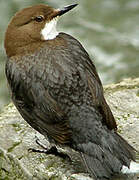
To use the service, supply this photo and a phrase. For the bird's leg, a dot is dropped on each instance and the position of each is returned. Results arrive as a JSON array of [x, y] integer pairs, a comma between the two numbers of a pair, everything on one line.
[[44, 147], [48, 150]]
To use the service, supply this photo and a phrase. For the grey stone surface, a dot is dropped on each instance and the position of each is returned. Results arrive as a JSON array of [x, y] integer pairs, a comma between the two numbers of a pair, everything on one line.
[[16, 137]]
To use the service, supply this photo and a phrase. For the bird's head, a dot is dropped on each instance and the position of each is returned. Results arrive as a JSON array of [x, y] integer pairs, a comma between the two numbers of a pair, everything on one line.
[[33, 24]]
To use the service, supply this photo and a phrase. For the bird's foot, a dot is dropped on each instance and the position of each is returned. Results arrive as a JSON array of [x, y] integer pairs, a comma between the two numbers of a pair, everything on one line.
[[49, 150]]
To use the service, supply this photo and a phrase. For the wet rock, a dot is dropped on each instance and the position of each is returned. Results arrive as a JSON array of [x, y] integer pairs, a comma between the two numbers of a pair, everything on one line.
[[16, 137]]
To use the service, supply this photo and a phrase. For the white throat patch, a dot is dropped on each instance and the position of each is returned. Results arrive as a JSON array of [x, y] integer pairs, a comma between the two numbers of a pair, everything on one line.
[[49, 31]]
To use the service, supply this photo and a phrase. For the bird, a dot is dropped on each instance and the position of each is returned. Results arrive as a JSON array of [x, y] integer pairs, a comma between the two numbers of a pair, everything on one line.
[[55, 87]]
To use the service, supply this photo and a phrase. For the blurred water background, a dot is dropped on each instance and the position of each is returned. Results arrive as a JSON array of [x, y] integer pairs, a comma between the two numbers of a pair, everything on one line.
[[108, 29]]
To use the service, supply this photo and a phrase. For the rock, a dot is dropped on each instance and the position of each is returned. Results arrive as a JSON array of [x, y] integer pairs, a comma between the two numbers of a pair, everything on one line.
[[123, 99], [16, 137]]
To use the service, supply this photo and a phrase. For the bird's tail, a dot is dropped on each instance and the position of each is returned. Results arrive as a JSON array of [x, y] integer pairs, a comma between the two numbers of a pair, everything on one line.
[[103, 151], [112, 158]]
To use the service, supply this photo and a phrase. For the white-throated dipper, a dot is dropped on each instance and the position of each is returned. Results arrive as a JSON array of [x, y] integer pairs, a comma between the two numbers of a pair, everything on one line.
[[56, 89]]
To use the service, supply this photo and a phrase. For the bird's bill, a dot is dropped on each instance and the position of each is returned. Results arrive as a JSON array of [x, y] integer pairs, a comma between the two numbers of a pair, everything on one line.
[[66, 9]]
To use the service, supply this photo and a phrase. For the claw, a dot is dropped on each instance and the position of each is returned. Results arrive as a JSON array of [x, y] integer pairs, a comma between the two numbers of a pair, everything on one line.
[[48, 150]]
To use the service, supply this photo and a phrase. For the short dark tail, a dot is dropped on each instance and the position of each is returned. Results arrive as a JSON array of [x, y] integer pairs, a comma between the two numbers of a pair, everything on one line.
[[107, 159], [103, 151]]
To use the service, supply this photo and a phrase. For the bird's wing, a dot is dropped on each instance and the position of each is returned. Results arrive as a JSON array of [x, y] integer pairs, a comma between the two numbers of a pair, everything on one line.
[[96, 89], [32, 98], [43, 114], [94, 82], [53, 120]]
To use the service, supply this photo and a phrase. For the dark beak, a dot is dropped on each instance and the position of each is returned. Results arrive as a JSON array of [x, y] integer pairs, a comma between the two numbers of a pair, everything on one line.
[[66, 9]]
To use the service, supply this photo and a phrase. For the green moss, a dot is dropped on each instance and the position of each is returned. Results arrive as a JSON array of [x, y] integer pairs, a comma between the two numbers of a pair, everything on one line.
[[4, 174], [120, 87], [15, 171], [125, 117], [137, 93], [14, 145], [17, 127]]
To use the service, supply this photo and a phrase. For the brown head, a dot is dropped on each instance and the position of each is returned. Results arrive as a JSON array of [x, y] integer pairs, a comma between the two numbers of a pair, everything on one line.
[[32, 26]]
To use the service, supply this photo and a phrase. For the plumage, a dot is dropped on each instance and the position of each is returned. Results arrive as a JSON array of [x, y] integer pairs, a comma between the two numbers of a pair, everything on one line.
[[56, 89]]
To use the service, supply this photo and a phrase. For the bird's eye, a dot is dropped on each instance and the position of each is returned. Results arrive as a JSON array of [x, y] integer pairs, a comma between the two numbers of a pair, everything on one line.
[[39, 18]]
